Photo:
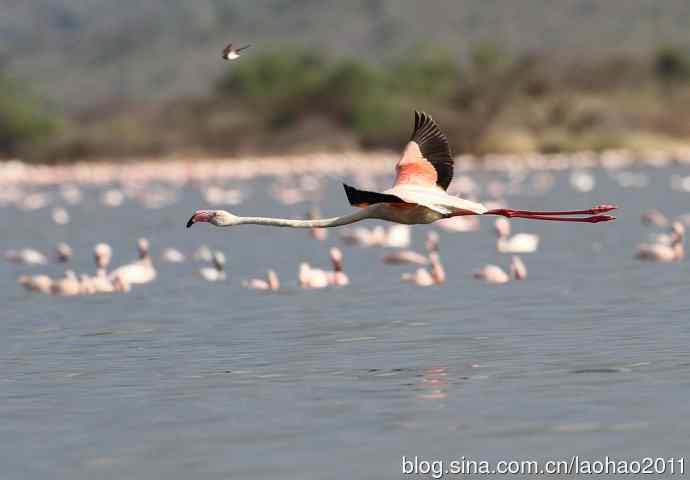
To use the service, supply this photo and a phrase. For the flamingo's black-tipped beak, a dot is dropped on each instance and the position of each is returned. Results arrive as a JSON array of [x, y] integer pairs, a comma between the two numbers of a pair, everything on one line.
[[199, 216]]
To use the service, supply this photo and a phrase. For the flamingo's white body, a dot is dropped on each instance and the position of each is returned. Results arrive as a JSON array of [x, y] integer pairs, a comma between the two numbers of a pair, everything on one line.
[[172, 255], [418, 196], [316, 278], [66, 286], [26, 256], [312, 277], [60, 216]]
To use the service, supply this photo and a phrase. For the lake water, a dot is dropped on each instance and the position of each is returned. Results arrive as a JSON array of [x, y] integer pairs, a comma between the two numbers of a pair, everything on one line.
[[185, 379]]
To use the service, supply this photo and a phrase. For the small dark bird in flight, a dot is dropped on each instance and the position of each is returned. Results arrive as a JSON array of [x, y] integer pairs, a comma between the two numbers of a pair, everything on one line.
[[230, 53]]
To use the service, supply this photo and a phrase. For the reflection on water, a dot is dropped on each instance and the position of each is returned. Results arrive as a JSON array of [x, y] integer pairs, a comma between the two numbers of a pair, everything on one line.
[[184, 377]]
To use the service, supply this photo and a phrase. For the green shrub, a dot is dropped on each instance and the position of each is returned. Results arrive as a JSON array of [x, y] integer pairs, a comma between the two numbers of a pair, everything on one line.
[[24, 126]]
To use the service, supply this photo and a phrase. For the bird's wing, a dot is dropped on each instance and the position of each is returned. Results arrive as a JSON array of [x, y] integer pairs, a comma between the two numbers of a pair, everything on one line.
[[227, 50], [426, 160], [242, 48], [363, 198], [435, 199]]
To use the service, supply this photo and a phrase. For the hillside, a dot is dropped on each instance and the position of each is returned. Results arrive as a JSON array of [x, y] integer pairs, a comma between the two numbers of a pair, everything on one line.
[[81, 53]]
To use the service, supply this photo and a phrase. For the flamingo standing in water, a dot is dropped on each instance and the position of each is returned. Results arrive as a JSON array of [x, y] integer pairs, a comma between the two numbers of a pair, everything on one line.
[[518, 243], [425, 278], [661, 252], [36, 283], [63, 253], [495, 274], [139, 271], [101, 283], [216, 272], [270, 283], [337, 277], [418, 196]]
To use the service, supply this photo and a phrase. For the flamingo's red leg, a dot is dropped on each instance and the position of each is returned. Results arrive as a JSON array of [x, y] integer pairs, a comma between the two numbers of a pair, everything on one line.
[[592, 219], [509, 212]]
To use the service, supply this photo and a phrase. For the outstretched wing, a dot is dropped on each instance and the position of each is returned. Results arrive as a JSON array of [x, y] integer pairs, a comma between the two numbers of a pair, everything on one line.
[[426, 160], [227, 50], [363, 198]]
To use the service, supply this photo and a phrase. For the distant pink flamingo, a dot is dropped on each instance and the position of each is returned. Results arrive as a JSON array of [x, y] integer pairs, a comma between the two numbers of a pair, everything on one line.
[[418, 196], [425, 278], [518, 243], [270, 283], [660, 252], [495, 274], [36, 283], [139, 271], [337, 277], [66, 286], [216, 272], [312, 277]]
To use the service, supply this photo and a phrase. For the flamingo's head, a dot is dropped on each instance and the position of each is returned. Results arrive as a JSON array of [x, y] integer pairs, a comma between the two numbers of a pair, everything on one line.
[[502, 227], [102, 254], [63, 252], [219, 218]]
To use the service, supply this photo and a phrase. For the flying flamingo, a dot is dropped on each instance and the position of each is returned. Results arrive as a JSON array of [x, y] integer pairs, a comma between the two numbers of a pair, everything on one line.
[[418, 196]]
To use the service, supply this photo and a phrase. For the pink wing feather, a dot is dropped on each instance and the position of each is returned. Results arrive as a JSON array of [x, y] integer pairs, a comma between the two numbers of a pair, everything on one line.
[[426, 160]]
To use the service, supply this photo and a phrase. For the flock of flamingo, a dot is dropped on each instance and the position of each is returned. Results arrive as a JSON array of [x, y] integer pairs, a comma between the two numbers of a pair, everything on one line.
[[423, 175], [419, 195]]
